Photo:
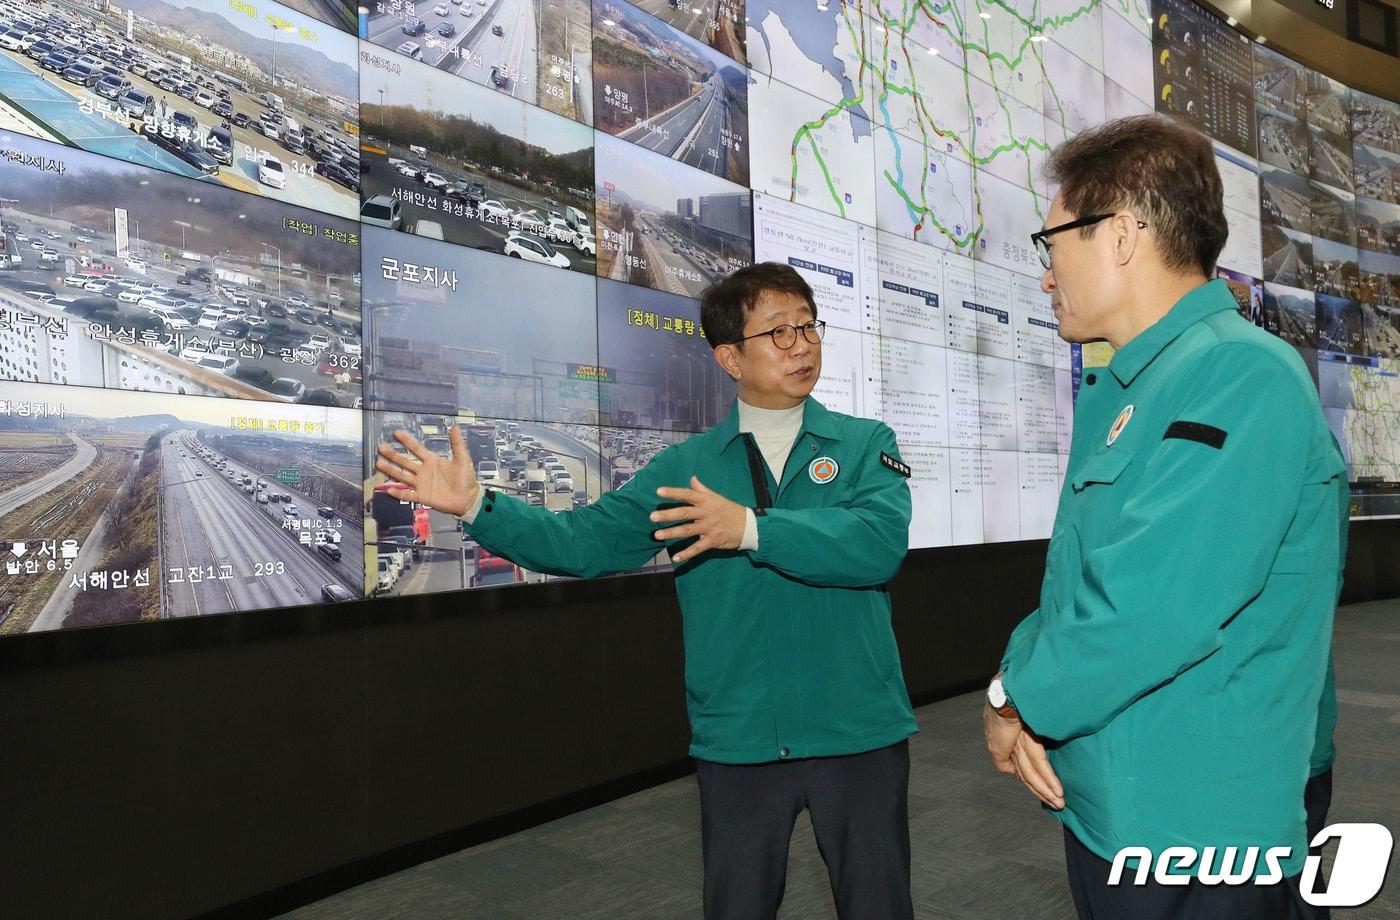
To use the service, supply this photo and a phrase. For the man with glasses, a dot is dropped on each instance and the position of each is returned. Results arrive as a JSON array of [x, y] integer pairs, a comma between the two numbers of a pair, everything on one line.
[[784, 523], [1166, 692]]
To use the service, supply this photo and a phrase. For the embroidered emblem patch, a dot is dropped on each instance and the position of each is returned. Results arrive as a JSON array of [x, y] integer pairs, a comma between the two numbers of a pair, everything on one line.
[[822, 470], [1120, 423]]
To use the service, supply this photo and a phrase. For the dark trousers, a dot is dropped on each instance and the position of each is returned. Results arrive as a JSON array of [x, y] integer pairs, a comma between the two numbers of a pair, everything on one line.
[[1317, 799], [859, 806], [1094, 899]]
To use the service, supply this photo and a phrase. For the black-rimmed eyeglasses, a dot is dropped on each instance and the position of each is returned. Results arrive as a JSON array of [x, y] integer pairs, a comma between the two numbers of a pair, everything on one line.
[[785, 336], [1042, 248]]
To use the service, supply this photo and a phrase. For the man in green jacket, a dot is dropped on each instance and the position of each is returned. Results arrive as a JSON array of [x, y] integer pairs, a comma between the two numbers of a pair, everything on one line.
[[784, 523], [1166, 692]]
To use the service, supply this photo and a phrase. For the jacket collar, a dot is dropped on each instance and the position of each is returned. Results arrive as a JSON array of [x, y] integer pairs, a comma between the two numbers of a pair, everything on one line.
[[1210, 298], [817, 420]]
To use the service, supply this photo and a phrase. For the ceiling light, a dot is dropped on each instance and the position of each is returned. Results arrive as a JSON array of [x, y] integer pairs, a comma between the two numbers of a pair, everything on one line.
[[985, 15], [933, 51], [1260, 39], [1230, 21]]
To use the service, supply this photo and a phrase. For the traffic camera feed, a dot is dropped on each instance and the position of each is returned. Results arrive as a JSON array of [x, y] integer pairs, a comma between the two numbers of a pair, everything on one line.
[[656, 369], [717, 23], [668, 93], [453, 161], [119, 276], [433, 347], [253, 96], [665, 225], [127, 507], [532, 51], [412, 549]]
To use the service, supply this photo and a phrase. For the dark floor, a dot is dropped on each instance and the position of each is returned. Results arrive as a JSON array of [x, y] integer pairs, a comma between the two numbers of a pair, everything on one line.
[[982, 849]]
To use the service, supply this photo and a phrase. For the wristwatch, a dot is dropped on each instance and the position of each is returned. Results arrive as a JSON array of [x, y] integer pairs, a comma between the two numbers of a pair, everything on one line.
[[998, 699]]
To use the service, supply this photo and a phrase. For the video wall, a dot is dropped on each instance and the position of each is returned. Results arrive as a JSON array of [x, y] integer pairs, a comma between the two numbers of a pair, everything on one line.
[[241, 243]]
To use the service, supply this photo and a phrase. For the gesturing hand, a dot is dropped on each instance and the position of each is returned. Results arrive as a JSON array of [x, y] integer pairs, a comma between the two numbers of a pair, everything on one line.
[[717, 521], [447, 485]]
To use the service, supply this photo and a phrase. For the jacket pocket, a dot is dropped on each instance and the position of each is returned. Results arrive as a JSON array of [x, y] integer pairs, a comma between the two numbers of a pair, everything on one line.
[[1103, 469]]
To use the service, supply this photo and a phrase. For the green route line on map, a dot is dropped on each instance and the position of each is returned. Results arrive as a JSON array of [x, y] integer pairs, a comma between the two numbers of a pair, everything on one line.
[[807, 129], [926, 122], [1369, 426]]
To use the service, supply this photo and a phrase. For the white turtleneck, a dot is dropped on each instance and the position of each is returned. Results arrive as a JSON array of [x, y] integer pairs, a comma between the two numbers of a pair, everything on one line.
[[773, 430]]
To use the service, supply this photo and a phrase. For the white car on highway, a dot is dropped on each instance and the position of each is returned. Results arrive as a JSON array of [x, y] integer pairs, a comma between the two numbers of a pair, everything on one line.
[[528, 221], [488, 472], [558, 231], [210, 318], [130, 295], [270, 172], [434, 181], [76, 281], [491, 209], [533, 249], [388, 574], [583, 242]]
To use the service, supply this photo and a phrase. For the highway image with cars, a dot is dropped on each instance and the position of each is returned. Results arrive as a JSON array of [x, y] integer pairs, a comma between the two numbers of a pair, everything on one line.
[[196, 89], [669, 93], [123, 507], [650, 234], [116, 276], [1285, 199], [450, 160], [536, 51], [558, 467], [1283, 140]]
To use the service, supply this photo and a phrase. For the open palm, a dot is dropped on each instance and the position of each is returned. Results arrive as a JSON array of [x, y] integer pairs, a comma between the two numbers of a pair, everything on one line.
[[444, 484]]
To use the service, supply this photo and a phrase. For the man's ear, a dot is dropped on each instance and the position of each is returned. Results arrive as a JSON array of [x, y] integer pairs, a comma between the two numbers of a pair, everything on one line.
[[1127, 237], [727, 357]]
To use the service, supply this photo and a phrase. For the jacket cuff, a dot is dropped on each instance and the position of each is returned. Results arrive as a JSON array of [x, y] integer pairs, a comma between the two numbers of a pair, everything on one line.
[[750, 541], [469, 517]]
